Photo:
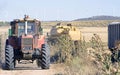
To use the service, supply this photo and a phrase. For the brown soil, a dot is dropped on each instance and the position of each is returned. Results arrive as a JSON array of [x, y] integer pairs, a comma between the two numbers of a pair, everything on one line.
[[32, 69]]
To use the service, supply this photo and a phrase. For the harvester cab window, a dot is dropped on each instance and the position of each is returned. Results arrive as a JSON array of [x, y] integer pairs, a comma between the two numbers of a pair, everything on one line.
[[30, 28]]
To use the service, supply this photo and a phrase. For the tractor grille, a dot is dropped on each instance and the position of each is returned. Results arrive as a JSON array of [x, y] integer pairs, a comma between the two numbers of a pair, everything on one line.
[[27, 41]]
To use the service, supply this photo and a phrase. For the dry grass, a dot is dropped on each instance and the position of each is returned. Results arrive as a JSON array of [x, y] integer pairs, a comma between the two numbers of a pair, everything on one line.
[[77, 63], [94, 23], [3, 37], [92, 59]]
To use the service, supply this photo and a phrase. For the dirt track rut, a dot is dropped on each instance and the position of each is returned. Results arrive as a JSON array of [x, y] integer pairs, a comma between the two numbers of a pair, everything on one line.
[[32, 69]]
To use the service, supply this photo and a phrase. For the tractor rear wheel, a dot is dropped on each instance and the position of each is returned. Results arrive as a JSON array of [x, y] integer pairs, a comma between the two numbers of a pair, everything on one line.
[[9, 57], [45, 57]]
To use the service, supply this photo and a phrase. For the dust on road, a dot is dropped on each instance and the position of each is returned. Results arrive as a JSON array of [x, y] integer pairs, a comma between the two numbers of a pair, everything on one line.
[[32, 69]]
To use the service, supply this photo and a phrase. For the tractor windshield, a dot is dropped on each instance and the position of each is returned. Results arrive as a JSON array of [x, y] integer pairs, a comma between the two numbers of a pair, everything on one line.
[[30, 28]]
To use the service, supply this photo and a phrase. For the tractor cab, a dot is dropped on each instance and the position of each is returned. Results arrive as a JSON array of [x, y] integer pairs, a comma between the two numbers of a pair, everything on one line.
[[25, 26], [30, 30]]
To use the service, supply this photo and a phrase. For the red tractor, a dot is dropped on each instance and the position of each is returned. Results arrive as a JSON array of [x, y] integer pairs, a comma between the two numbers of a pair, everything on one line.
[[26, 42]]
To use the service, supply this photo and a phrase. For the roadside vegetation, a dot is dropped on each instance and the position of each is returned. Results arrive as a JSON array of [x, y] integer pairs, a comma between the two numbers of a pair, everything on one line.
[[90, 58], [3, 37]]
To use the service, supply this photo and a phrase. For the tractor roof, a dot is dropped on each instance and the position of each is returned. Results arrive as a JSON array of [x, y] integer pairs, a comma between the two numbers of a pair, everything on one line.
[[26, 18]]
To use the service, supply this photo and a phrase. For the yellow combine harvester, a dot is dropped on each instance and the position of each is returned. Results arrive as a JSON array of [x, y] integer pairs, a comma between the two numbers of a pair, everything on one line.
[[66, 38], [58, 30]]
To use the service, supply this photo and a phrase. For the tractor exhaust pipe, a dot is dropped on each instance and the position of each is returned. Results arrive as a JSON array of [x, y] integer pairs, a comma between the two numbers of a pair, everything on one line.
[[25, 27], [26, 23]]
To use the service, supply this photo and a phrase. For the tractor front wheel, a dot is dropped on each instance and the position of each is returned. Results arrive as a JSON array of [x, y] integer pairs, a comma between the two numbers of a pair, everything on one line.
[[45, 57], [9, 57]]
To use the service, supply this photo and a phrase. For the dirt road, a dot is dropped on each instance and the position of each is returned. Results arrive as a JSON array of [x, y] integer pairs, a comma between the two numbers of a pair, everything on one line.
[[32, 69]]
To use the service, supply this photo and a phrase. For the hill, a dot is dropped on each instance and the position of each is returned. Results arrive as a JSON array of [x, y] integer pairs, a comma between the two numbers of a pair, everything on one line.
[[103, 17]]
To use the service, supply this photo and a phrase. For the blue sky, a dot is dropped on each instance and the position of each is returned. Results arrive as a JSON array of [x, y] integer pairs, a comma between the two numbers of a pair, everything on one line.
[[57, 9]]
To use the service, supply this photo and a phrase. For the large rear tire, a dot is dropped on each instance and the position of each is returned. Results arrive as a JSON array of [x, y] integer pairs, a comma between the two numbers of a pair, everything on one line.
[[45, 57], [9, 58]]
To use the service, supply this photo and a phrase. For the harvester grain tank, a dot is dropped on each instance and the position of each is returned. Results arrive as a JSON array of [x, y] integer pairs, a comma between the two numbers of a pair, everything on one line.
[[59, 30]]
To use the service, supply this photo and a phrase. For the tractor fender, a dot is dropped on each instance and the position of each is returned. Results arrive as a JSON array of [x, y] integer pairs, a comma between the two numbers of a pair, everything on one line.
[[41, 41]]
